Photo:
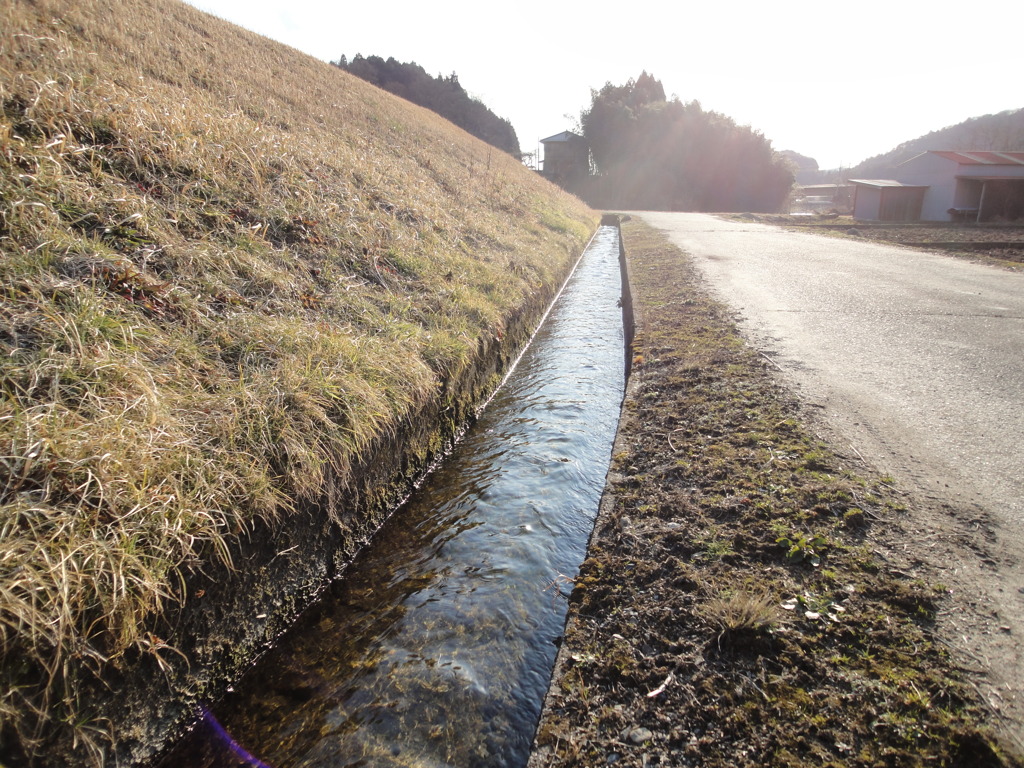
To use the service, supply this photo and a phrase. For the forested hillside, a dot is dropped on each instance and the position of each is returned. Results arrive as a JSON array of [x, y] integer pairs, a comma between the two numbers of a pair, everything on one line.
[[443, 95], [1003, 131], [656, 153]]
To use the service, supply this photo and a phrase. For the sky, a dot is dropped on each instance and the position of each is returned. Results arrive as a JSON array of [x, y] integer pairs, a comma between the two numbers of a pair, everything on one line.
[[838, 82]]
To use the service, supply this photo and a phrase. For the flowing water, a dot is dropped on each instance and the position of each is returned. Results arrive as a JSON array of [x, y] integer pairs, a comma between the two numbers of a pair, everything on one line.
[[436, 647]]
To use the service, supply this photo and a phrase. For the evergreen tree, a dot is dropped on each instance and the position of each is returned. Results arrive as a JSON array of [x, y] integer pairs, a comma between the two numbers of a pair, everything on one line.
[[443, 95], [655, 153]]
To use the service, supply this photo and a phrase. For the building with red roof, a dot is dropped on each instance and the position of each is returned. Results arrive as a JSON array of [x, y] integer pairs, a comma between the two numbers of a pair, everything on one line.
[[946, 186]]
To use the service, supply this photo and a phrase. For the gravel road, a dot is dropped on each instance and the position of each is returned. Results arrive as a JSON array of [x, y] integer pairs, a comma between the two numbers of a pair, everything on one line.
[[913, 362]]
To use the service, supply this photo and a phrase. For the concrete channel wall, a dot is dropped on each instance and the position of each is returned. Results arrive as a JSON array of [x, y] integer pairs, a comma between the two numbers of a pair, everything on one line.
[[628, 320], [540, 755], [232, 616]]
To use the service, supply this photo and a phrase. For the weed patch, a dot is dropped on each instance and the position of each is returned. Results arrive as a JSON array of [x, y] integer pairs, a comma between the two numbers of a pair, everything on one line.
[[778, 637]]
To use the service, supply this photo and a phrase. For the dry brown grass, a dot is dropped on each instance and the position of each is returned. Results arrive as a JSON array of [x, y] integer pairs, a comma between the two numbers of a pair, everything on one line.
[[741, 611], [225, 268]]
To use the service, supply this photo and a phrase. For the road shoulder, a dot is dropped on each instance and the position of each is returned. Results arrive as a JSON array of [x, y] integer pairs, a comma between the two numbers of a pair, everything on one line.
[[741, 603]]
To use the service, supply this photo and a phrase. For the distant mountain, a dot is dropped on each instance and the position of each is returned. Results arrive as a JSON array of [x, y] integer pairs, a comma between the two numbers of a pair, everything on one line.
[[1003, 131], [805, 169], [443, 95]]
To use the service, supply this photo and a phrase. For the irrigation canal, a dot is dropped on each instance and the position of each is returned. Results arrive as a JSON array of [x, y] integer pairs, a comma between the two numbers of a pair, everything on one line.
[[436, 647]]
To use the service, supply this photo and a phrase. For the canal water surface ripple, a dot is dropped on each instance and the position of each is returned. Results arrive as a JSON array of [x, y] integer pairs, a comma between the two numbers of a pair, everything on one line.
[[436, 647]]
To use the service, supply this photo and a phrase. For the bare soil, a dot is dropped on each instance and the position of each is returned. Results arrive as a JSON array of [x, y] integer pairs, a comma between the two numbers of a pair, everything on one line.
[[993, 243], [748, 599]]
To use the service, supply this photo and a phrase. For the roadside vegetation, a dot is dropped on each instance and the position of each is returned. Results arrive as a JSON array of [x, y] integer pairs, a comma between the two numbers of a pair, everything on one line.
[[227, 269], [734, 608]]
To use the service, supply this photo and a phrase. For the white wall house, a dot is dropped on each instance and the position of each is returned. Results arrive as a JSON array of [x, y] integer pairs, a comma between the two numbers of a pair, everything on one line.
[[946, 186]]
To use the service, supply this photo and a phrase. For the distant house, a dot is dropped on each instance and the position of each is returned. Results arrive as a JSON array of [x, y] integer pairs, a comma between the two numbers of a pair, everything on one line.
[[946, 186], [566, 157]]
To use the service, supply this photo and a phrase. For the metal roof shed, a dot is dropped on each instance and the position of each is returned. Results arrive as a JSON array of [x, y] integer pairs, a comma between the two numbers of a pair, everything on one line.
[[887, 200], [962, 185]]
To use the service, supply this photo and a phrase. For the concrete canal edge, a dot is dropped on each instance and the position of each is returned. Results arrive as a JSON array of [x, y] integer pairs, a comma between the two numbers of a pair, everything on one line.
[[632, 325], [683, 643], [232, 616], [628, 316]]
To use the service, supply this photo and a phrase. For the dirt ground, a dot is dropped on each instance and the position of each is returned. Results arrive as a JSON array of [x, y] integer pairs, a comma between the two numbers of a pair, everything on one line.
[[749, 599], [998, 244]]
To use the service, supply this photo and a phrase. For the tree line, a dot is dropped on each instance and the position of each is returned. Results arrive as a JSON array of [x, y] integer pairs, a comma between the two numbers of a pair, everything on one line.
[[443, 95], [1003, 131], [647, 151], [650, 152]]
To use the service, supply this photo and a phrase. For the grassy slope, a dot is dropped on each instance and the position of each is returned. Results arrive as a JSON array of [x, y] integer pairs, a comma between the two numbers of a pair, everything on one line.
[[226, 269]]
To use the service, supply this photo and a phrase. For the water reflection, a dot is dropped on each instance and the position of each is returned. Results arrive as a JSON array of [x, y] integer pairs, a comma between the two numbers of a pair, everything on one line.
[[436, 648]]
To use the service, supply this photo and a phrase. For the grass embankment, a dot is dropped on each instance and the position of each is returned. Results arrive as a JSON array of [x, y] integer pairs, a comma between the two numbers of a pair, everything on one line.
[[732, 610], [230, 273]]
